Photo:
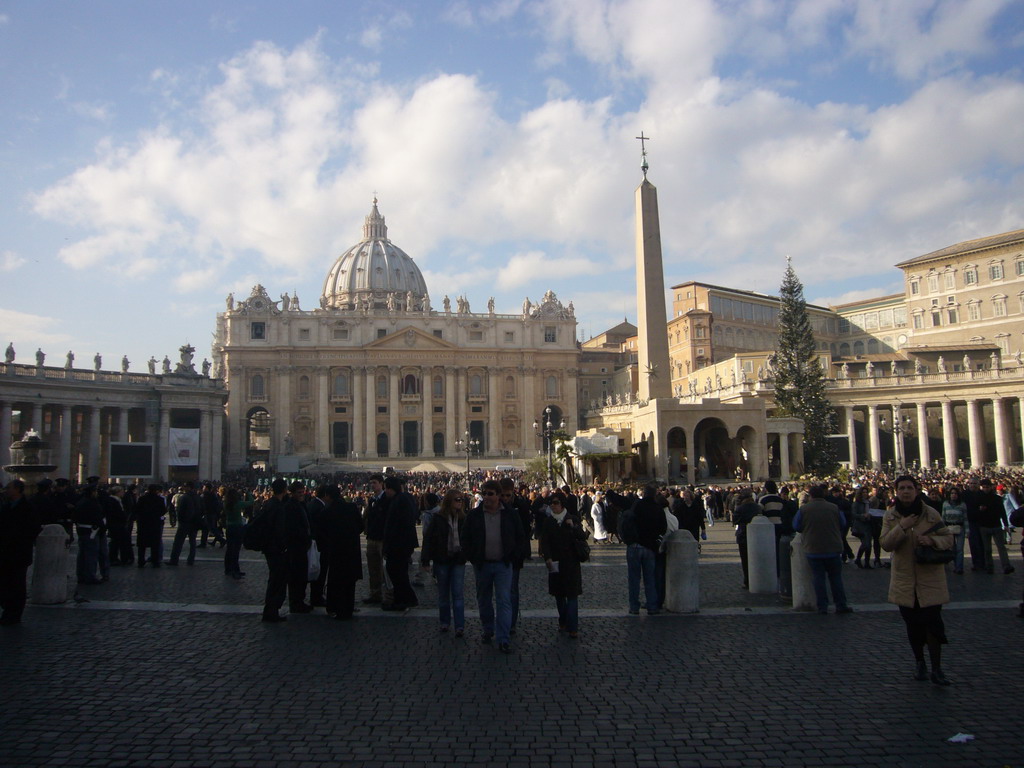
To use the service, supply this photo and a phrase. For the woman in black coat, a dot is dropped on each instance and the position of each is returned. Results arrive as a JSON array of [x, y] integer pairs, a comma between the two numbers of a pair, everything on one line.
[[342, 525], [558, 537]]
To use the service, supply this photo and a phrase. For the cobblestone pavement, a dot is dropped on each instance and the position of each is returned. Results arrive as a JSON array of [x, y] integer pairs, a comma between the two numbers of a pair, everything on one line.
[[171, 667]]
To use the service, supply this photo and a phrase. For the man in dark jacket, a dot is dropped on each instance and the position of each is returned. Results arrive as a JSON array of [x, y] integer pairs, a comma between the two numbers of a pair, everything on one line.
[[289, 532], [399, 543], [375, 519], [648, 519], [149, 518], [822, 523], [991, 516], [340, 525], [19, 527], [494, 541], [212, 508], [89, 524], [745, 511], [187, 508], [521, 506], [690, 514], [299, 539]]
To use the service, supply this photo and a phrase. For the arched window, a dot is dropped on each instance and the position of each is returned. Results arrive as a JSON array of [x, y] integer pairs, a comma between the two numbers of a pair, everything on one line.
[[476, 384], [844, 349], [551, 387], [341, 384], [410, 385], [256, 386], [382, 386], [858, 347], [872, 346], [304, 387]]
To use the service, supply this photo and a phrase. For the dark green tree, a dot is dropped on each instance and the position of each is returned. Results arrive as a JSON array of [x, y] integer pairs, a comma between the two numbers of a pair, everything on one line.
[[799, 378]]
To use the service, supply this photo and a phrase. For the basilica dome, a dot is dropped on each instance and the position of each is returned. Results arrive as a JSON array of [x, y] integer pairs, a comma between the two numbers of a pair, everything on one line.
[[375, 273]]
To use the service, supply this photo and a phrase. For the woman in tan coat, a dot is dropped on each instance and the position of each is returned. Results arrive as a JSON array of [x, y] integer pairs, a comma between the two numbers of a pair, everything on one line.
[[919, 590]]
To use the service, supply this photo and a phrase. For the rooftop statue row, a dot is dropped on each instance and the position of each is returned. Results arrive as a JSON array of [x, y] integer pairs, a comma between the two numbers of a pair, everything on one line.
[[185, 367]]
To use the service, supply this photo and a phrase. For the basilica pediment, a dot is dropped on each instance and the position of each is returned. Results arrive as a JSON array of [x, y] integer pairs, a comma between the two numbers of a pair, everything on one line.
[[410, 338]]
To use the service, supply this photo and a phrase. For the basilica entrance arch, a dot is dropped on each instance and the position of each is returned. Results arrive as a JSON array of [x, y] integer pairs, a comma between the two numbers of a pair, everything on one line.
[[258, 427]]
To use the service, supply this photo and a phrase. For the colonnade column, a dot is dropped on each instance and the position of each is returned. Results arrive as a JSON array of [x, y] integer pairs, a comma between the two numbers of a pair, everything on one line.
[[5, 436], [974, 437], [64, 453], [948, 433], [164, 449], [872, 430], [783, 455], [999, 423], [494, 411], [369, 449], [851, 435], [237, 435], [323, 427], [450, 435], [923, 449], [394, 406], [205, 445], [216, 455], [92, 455], [37, 418], [122, 425]]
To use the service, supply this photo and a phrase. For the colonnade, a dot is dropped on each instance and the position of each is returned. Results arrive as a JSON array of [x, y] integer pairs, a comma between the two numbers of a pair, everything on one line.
[[912, 428]]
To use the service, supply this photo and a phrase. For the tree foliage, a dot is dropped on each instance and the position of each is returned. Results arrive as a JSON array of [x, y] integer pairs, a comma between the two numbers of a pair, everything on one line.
[[799, 378]]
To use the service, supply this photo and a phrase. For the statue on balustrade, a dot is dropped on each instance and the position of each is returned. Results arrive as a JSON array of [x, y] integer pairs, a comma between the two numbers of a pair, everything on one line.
[[124, 364], [97, 361], [941, 363], [40, 357], [69, 361], [151, 364], [9, 354]]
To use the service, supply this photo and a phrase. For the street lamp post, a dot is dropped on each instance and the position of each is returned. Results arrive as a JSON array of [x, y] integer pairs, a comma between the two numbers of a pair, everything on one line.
[[900, 425], [546, 429], [468, 445]]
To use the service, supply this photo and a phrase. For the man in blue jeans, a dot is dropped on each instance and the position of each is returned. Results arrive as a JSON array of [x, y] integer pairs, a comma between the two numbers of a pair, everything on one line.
[[645, 523], [822, 524], [494, 539]]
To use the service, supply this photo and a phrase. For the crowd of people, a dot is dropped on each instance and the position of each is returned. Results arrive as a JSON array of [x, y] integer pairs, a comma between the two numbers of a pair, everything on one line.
[[342, 520]]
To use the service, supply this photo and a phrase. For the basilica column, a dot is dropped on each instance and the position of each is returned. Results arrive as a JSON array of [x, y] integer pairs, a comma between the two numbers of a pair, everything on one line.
[[237, 434], [426, 411], [163, 450], [948, 433], [529, 409], [974, 435], [92, 449], [370, 449], [872, 429], [5, 437], [923, 448], [217, 451], [358, 378], [851, 435], [322, 438], [284, 409], [999, 422], [494, 411], [64, 468], [394, 411], [461, 395], [450, 435]]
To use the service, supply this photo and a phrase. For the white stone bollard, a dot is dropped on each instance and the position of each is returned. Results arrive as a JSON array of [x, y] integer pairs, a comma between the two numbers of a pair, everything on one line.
[[761, 556], [50, 566], [803, 586], [682, 573]]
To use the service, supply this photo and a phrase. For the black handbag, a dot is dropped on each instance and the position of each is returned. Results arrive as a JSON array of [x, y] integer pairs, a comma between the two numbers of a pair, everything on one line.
[[928, 555], [582, 549]]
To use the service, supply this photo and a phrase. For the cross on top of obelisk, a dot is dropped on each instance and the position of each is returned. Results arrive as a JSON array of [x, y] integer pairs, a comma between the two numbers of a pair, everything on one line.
[[643, 152]]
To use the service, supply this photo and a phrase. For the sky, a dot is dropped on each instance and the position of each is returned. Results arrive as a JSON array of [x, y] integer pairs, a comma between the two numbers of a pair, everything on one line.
[[156, 156]]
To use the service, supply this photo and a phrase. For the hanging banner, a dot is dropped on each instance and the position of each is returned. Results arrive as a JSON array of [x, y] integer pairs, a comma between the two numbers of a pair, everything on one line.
[[184, 447]]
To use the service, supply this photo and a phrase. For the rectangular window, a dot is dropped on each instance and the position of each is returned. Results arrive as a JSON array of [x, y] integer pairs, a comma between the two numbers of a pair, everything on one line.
[[382, 409], [510, 337], [950, 280], [999, 308], [918, 321], [933, 283], [936, 319], [885, 318], [382, 332], [915, 287], [970, 276], [974, 312], [549, 334], [257, 330], [341, 410], [951, 314], [871, 321], [303, 334], [476, 335], [899, 317], [439, 333], [700, 352], [341, 334], [951, 299], [477, 409], [1020, 267], [438, 409], [844, 325], [995, 271]]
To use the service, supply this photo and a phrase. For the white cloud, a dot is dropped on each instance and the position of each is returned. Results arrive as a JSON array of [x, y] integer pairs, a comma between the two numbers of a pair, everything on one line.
[[523, 268], [10, 261], [27, 330], [372, 37]]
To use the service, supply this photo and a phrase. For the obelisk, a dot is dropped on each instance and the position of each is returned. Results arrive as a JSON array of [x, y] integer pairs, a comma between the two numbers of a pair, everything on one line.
[[654, 376]]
